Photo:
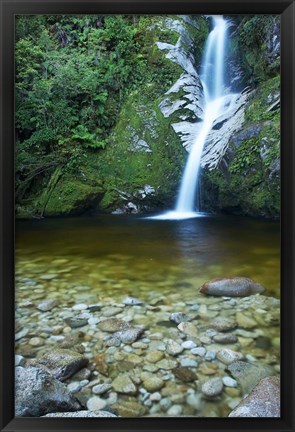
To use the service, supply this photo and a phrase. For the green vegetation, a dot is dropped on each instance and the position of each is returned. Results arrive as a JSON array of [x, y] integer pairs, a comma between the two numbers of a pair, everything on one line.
[[89, 131], [86, 87]]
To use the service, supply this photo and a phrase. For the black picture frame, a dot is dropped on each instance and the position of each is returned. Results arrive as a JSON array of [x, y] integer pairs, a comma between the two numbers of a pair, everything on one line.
[[10, 8]]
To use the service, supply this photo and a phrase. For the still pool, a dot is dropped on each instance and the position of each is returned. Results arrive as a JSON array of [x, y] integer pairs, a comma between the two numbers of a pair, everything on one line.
[[120, 254]]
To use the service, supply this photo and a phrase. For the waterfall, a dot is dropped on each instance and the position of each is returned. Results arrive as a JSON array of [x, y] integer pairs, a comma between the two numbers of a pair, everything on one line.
[[212, 78]]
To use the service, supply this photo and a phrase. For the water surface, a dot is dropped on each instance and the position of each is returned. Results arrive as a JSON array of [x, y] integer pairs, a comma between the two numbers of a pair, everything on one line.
[[130, 255]]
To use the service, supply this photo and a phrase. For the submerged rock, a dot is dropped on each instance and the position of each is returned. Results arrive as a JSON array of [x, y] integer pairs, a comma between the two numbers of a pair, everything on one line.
[[61, 363], [37, 393], [47, 305], [123, 384], [129, 335], [231, 287], [212, 388], [247, 374], [112, 325], [263, 401]]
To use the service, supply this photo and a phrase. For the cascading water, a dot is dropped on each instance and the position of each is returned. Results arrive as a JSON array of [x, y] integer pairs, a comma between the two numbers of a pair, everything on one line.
[[212, 78]]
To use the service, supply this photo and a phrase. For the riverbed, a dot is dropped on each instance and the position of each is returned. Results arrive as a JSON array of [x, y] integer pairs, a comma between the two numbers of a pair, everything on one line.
[[90, 265]]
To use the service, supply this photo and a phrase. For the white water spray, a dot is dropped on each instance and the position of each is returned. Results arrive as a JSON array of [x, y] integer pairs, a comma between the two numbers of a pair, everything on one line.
[[212, 78]]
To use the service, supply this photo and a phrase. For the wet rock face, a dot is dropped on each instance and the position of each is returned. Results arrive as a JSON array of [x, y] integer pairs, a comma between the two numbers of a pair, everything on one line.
[[232, 287], [61, 363], [263, 401], [38, 393]]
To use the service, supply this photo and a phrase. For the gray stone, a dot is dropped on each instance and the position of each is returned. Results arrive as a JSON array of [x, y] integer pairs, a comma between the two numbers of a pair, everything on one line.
[[95, 403], [187, 362], [80, 307], [61, 363], [38, 393], [229, 382], [74, 387], [225, 338], [101, 388], [76, 322], [82, 414], [199, 351], [47, 305], [228, 356], [174, 410], [188, 328], [179, 317], [212, 388], [188, 344], [224, 324], [231, 287], [173, 348], [19, 360], [21, 334], [210, 355], [132, 301], [129, 335], [263, 401], [248, 375]]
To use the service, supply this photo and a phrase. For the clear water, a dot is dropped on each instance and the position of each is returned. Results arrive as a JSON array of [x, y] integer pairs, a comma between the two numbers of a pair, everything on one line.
[[117, 255]]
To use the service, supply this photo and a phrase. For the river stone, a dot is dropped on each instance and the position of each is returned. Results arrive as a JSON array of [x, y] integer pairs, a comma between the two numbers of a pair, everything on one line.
[[112, 325], [153, 384], [76, 321], [154, 356], [188, 344], [166, 364], [223, 324], [132, 301], [263, 401], [129, 335], [175, 410], [245, 321], [37, 393], [199, 351], [229, 382], [101, 388], [248, 375], [173, 348], [130, 408], [212, 388], [74, 387], [188, 362], [36, 341], [123, 384], [231, 287], [112, 311], [47, 305], [19, 360], [188, 328], [179, 317], [184, 374], [61, 363], [225, 338], [82, 414], [80, 307], [228, 356], [95, 403]]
